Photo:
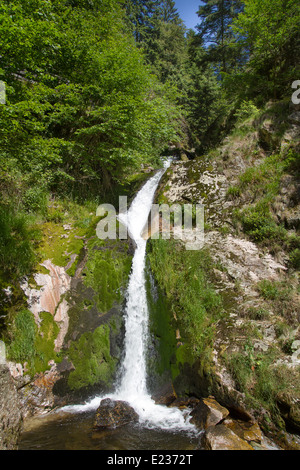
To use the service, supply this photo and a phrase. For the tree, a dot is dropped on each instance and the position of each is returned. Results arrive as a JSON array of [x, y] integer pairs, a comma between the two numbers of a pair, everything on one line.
[[141, 16], [83, 110], [168, 53], [169, 12], [268, 31], [82, 105], [215, 29], [161, 34], [204, 103]]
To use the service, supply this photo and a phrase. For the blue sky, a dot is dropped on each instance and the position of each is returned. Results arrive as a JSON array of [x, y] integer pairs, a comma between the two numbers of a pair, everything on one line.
[[187, 10]]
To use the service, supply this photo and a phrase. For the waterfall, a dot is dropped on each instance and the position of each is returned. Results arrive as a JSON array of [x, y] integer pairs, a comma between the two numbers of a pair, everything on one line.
[[133, 373], [132, 386]]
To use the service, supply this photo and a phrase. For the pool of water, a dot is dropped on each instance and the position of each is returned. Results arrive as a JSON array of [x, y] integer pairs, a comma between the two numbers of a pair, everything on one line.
[[74, 431]]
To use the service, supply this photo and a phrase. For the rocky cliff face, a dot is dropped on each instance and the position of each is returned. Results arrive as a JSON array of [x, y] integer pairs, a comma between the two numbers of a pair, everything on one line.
[[10, 411], [251, 234], [73, 307]]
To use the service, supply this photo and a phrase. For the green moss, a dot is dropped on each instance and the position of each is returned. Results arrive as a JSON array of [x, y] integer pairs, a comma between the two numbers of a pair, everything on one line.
[[44, 343], [107, 270], [162, 329], [32, 344], [92, 359], [183, 355], [22, 347], [186, 277], [58, 245]]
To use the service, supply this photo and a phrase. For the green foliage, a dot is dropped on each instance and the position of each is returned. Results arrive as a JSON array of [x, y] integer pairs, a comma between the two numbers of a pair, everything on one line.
[[91, 358], [22, 347], [233, 192], [255, 313], [17, 255], [44, 343], [269, 30], [81, 122], [294, 258], [260, 380], [258, 221], [247, 109], [82, 111], [186, 277], [259, 224], [32, 344], [216, 18], [107, 271], [273, 290]]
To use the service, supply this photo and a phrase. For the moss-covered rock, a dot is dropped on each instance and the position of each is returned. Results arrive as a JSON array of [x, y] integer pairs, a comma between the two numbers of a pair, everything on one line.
[[106, 271], [162, 365], [92, 360], [93, 344]]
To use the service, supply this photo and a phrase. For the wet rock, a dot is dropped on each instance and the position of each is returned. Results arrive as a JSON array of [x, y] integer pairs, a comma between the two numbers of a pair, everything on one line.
[[131, 246], [247, 431], [10, 411], [294, 118], [183, 403], [113, 414], [222, 438], [37, 397], [218, 412], [289, 406], [165, 395], [208, 412], [290, 441]]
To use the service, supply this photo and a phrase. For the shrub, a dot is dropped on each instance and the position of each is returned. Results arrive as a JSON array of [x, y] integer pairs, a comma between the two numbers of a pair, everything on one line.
[[246, 110], [294, 257], [273, 290], [233, 192], [16, 251], [259, 225]]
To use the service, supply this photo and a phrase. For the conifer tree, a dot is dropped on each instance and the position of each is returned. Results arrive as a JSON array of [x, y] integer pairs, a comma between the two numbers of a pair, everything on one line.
[[215, 29], [141, 16], [169, 12]]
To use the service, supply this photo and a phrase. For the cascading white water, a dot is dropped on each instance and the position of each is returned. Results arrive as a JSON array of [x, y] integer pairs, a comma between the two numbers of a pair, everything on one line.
[[133, 383]]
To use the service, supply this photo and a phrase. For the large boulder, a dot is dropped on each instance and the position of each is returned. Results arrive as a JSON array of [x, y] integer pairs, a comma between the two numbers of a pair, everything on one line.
[[113, 414], [222, 438], [208, 412], [246, 430]]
